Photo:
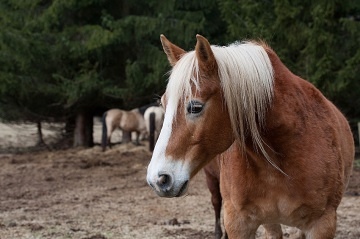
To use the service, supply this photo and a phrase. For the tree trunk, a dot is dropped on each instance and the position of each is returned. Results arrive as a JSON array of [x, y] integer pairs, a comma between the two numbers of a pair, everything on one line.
[[41, 141], [39, 133], [83, 133], [69, 126]]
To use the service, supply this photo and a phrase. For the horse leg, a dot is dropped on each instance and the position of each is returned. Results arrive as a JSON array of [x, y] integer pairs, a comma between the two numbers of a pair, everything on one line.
[[273, 231], [110, 131], [137, 142], [238, 225], [324, 227], [216, 200], [109, 142]]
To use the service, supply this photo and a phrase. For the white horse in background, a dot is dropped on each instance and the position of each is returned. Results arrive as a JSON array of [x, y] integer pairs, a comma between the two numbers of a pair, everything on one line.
[[154, 130]]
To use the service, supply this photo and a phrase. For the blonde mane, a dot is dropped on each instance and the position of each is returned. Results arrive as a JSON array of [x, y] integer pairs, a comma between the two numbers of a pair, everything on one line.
[[246, 76]]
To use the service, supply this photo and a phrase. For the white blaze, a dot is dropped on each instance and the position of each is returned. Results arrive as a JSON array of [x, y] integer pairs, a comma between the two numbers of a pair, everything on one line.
[[160, 163]]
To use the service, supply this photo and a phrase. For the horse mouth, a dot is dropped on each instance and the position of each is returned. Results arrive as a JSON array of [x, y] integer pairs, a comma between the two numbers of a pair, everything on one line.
[[183, 189]]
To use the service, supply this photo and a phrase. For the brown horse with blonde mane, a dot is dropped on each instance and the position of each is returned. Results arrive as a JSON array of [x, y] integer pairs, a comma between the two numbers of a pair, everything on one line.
[[286, 151]]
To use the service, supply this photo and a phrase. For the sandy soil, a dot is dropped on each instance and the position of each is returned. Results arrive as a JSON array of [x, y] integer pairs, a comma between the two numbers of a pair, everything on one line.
[[88, 194]]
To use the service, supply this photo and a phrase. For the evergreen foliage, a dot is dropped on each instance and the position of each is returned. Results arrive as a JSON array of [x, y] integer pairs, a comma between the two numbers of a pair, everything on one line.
[[317, 40], [60, 57]]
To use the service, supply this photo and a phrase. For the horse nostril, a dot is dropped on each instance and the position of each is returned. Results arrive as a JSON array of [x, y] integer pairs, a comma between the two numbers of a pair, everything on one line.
[[164, 181]]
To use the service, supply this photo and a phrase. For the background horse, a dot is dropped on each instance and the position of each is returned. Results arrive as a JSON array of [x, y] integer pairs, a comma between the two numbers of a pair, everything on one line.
[[121, 119], [286, 151], [158, 120]]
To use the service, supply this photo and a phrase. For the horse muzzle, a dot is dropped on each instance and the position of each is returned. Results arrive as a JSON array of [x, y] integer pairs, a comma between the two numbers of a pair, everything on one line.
[[165, 185]]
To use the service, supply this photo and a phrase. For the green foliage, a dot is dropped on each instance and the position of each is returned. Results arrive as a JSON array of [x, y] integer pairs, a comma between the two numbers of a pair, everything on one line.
[[318, 40], [60, 57]]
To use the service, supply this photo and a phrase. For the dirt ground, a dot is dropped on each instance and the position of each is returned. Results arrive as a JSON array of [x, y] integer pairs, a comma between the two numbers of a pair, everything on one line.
[[88, 194]]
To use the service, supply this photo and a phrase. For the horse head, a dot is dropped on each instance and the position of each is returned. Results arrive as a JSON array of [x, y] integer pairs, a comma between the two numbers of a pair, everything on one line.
[[196, 125]]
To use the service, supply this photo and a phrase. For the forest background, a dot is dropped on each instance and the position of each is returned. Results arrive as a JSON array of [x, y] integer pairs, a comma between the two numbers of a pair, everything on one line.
[[70, 60]]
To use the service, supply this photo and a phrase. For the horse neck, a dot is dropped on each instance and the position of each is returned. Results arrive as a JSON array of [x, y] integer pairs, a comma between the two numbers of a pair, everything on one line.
[[248, 160], [293, 108]]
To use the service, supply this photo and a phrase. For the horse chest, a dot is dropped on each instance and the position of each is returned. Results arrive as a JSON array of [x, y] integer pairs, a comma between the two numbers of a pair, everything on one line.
[[267, 199]]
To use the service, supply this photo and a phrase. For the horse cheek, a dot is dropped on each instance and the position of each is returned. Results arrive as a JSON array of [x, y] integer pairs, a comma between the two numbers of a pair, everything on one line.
[[222, 132]]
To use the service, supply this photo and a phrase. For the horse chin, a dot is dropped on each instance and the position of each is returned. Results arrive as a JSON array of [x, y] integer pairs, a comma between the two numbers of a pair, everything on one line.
[[183, 189]]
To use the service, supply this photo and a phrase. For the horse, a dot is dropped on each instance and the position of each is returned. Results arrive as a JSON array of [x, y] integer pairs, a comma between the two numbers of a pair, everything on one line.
[[286, 151], [130, 121], [158, 112]]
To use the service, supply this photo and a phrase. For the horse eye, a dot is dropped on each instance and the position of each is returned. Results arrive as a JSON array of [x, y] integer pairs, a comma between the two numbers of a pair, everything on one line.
[[194, 107]]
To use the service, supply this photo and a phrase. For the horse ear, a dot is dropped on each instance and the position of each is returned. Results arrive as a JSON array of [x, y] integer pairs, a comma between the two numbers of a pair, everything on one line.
[[172, 51], [204, 53]]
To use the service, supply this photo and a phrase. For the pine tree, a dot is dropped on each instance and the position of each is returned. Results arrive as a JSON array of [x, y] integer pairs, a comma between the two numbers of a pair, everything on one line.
[[318, 40], [71, 59]]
